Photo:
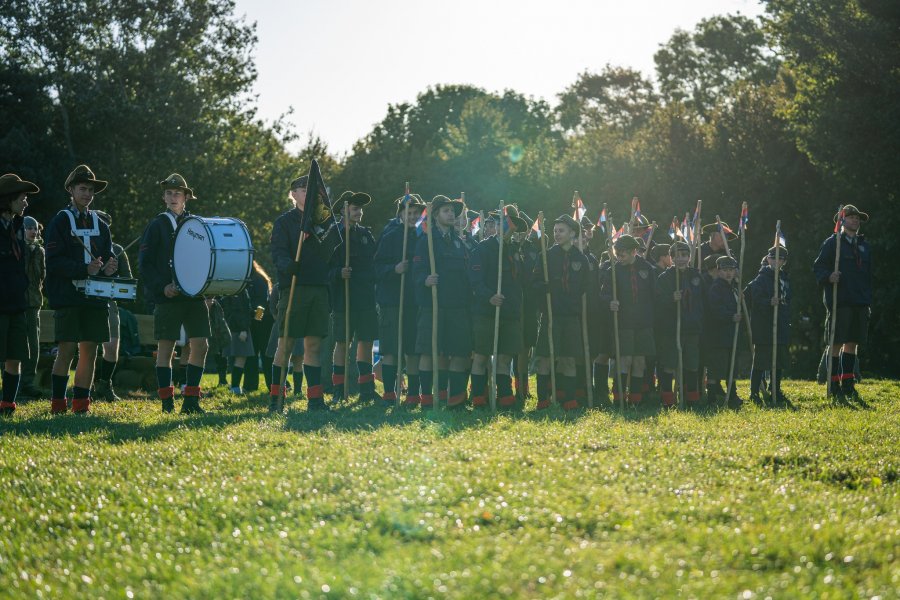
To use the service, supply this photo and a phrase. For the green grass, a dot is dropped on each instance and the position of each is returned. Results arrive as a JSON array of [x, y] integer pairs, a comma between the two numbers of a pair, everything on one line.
[[129, 502]]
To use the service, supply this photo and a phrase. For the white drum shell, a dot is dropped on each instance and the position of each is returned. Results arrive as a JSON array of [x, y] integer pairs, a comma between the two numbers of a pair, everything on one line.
[[212, 256], [111, 288]]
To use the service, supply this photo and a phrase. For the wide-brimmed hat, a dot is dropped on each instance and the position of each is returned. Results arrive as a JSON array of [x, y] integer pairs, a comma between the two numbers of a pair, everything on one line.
[[850, 211], [568, 221], [782, 252], [626, 242], [658, 251], [726, 262], [712, 228], [677, 247], [439, 202], [299, 182], [710, 262], [83, 174], [412, 200], [351, 198], [177, 182], [13, 184], [515, 217]]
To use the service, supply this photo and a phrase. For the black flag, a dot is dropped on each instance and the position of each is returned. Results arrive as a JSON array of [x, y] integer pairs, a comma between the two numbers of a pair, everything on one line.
[[317, 209]]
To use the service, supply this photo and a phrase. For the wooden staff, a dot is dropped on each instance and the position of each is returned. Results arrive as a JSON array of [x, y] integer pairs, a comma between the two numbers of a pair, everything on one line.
[[832, 326], [434, 307], [615, 297], [737, 326], [492, 392], [678, 346], [549, 310], [346, 298], [589, 387], [649, 239], [774, 378], [697, 233], [398, 387]]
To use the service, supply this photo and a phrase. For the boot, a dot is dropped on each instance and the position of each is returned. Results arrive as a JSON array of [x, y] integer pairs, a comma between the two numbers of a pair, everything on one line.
[[276, 399], [103, 390], [190, 405], [317, 405], [735, 402]]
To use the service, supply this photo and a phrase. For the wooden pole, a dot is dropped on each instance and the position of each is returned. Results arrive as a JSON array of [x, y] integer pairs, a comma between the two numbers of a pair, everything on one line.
[[549, 309], [398, 387], [615, 297], [492, 392], [431, 221], [698, 231], [774, 377], [737, 326], [589, 388], [346, 299], [832, 325]]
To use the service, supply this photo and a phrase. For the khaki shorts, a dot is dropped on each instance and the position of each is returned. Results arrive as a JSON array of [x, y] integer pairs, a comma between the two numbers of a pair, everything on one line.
[[310, 313], [82, 324]]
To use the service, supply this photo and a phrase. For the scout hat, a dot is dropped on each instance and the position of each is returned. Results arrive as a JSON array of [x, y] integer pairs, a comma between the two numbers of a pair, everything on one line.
[[658, 251], [440, 201], [711, 228], [83, 174], [351, 198], [850, 211], [176, 182], [710, 261], [515, 217], [679, 246], [13, 184], [299, 182], [568, 221], [413, 200], [626, 242], [782, 252], [726, 262]]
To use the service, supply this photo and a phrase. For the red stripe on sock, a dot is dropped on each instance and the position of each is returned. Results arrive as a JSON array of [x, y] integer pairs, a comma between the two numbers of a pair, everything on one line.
[[314, 391], [369, 378]]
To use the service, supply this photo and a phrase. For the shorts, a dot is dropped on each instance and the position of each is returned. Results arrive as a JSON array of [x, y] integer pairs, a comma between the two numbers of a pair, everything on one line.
[[388, 320], [852, 325], [363, 325], [567, 337], [641, 342], [310, 313], [169, 317], [82, 324], [114, 324], [13, 337], [762, 356], [509, 338], [454, 332], [667, 352]]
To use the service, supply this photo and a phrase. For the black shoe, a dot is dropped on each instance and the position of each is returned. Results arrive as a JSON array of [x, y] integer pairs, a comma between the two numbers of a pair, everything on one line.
[[369, 396], [191, 406], [756, 399], [103, 390], [168, 405], [276, 404], [337, 395], [317, 405]]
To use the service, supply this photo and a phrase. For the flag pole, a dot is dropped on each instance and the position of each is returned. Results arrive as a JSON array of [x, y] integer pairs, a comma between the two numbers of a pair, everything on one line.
[[737, 325], [832, 325], [697, 232], [435, 368], [549, 309], [492, 392], [398, 386], [773, 379], [589, 388], [346, 300], [678, 346], [615, 297]]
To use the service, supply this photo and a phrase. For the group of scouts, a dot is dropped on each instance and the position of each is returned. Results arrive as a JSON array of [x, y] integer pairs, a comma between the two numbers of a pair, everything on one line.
[[633, 292]]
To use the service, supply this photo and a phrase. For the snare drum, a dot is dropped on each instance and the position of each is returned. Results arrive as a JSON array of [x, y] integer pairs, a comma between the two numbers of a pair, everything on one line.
[[212, 257], [111, 288]]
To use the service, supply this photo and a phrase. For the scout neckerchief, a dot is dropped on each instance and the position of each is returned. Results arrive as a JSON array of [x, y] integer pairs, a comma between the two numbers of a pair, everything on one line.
[[87, 227]]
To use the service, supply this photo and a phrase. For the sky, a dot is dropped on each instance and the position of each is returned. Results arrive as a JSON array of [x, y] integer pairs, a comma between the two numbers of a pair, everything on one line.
[[339, 63]]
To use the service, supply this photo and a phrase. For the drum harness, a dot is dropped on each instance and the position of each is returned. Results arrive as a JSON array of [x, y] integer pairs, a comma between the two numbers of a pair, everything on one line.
[[85, 236]]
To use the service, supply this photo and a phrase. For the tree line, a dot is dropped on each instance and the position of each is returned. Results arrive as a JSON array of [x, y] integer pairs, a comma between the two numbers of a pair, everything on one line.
[[795, 114]]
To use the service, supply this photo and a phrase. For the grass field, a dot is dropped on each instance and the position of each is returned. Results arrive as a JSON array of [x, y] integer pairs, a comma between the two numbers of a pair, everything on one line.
[[128, 502]]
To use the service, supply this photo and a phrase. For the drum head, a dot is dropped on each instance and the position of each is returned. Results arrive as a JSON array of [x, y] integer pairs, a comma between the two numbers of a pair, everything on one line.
[[192, 257]]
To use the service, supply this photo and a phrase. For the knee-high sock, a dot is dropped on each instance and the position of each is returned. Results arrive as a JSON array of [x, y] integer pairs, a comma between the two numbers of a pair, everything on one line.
[[58, 385], [313, 381], [426, 379]]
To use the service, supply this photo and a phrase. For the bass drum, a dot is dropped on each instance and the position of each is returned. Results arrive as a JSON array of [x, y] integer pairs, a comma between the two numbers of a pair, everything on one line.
[[212, 256]]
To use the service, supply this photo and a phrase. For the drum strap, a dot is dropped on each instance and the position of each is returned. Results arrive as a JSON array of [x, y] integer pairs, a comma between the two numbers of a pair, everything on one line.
[[171, 219], [84, 234]]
